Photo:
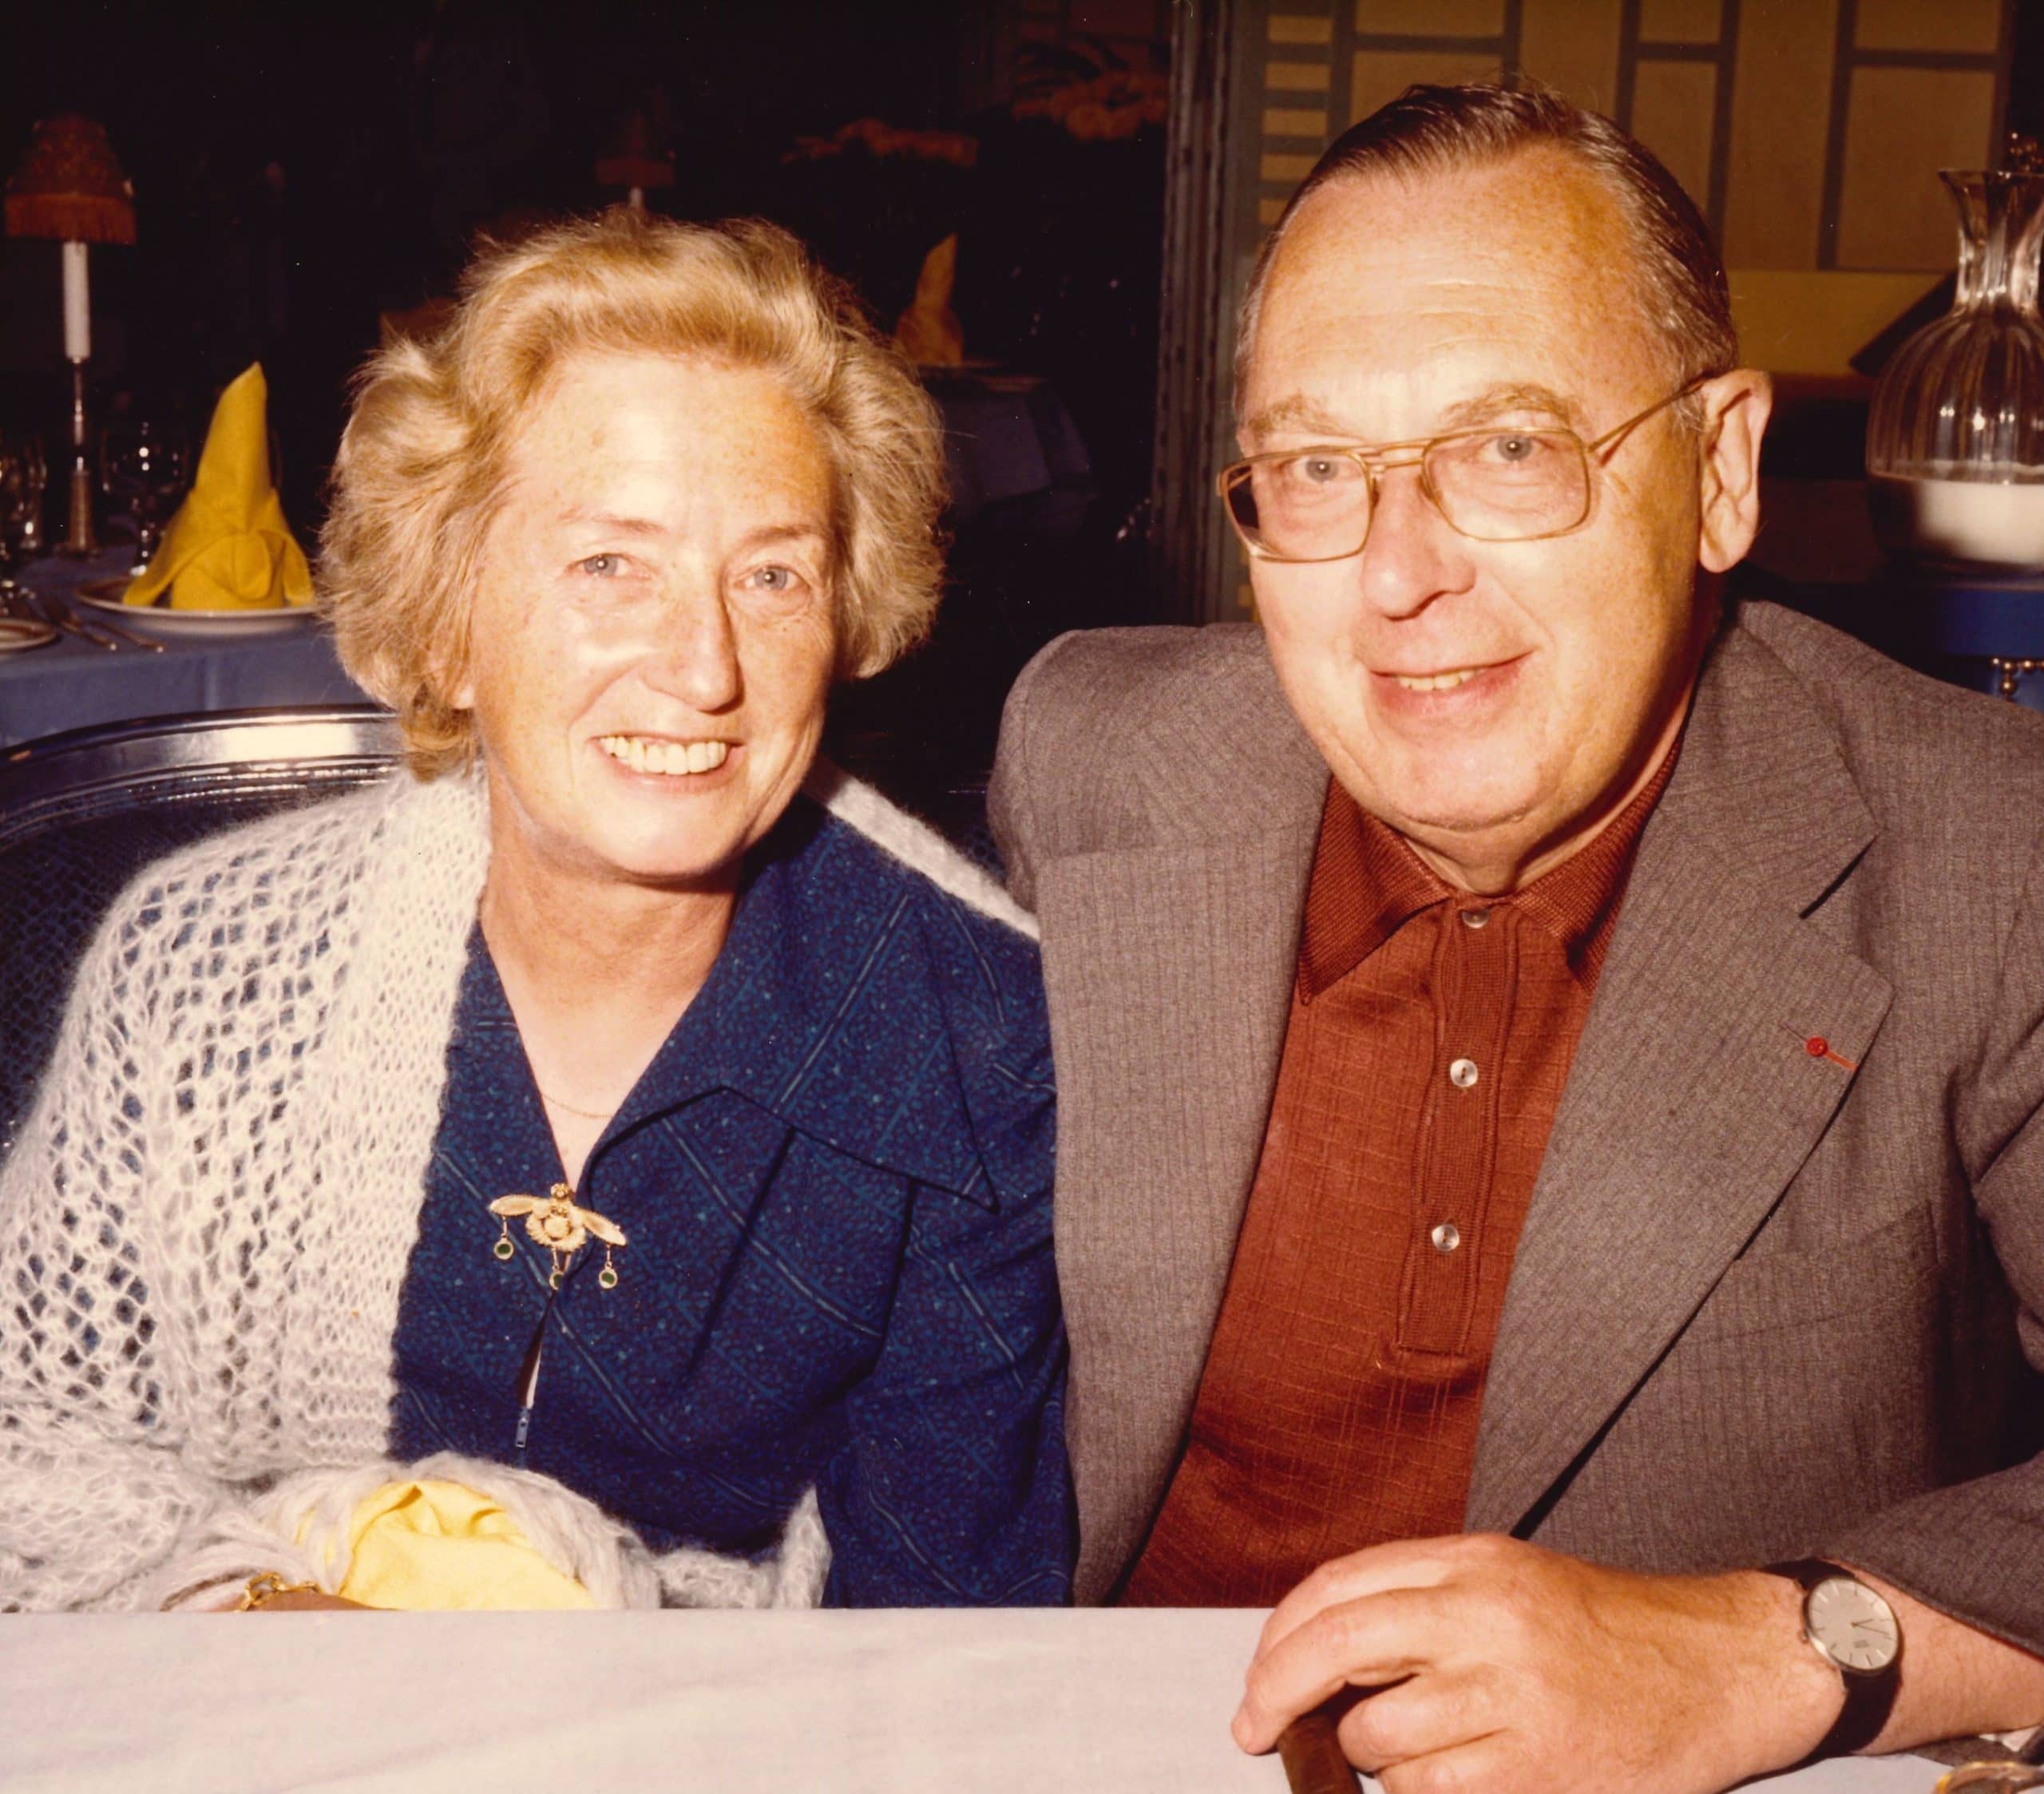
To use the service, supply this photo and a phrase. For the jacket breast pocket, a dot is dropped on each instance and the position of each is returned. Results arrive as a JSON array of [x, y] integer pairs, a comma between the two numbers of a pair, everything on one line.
[[1800, 1397], [1891, 1268]]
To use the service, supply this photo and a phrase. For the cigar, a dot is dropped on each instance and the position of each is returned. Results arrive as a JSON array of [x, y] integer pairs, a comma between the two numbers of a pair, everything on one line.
[[1311, 1755]]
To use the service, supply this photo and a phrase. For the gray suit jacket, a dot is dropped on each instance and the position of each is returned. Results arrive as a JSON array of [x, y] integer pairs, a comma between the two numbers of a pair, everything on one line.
[[1764, 1302]]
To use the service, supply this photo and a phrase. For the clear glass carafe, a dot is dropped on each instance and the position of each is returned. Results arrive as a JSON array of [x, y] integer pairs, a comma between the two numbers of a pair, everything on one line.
[[1956, 441]]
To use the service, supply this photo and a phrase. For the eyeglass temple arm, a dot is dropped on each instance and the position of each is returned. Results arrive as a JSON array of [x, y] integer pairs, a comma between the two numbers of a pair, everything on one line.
[[1632, 423]]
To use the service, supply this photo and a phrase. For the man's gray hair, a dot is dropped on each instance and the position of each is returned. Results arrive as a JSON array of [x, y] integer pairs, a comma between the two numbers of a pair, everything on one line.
[[1428, 130]]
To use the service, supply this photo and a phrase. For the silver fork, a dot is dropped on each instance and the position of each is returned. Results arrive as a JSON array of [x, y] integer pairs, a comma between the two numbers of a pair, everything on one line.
[[33, 605], [113, 629], [16, 599]]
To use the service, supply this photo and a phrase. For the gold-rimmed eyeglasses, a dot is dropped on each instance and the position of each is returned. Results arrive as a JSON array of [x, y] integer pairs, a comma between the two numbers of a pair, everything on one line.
[[1493, 483]]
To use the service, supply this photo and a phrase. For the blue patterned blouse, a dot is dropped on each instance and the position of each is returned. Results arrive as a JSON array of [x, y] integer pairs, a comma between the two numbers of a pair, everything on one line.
[[834, 1178]]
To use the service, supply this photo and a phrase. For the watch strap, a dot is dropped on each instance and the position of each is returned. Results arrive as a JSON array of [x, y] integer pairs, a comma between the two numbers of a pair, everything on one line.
[[1869, 1694]]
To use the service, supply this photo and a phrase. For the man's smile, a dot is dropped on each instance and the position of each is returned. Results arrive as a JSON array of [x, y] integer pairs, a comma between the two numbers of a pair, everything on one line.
[[1429, 691], [1436, 682]]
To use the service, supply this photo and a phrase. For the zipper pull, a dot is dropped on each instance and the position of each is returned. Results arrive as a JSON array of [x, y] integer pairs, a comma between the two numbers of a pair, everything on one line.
[[528, 1378]]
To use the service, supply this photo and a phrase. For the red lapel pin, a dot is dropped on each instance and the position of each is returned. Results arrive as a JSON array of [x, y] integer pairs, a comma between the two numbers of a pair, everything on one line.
[[1818, 1047]]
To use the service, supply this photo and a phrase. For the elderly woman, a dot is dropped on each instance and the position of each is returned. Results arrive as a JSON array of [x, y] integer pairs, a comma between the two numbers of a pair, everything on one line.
[[610, 1162]]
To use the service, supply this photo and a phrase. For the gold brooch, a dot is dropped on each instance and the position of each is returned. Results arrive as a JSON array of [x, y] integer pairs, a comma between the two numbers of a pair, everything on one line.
[[554, 1222]]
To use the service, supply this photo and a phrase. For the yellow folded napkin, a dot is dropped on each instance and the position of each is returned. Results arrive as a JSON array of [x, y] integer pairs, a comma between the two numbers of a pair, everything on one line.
[[434, 1546], [929, 331], [229, 548]]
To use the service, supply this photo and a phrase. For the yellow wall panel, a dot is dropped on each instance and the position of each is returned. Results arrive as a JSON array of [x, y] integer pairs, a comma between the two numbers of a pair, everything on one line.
[[1972, 26], [1802, 322], [1287, 169], [1907, 124], [1681, 22], [1431, 18], [1781, 113], [1573, 44], [1673, 105], [1296, 77], [1298, 28], [1294, 122], [1383, 74]]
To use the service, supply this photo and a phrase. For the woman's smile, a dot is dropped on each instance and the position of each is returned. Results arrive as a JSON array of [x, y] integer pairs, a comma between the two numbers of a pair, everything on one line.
[[665, 755]]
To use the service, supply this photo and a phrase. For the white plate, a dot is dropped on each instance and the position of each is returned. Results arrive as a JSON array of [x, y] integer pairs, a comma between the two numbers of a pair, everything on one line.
[[104, 594], [18, 633]]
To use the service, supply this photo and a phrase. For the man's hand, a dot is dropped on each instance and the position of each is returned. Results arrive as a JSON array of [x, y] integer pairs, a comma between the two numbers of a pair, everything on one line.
[[1499, 1666]]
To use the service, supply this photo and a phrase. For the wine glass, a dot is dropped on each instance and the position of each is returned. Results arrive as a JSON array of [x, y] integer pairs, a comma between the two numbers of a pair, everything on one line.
[[22, 474], [142, 468], [27, 508]]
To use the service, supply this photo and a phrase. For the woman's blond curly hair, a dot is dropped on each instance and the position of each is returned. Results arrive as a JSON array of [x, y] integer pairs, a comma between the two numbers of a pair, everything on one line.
[[422, 465]]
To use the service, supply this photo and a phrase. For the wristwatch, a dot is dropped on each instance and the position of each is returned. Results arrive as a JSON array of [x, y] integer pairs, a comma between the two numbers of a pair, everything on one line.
[[1854, 1629]]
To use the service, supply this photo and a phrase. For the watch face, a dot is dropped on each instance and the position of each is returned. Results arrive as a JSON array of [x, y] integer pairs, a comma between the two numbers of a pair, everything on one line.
[[1851, 1625]]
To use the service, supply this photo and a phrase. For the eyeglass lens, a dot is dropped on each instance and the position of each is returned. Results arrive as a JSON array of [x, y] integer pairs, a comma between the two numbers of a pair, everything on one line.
[[1497, 487]]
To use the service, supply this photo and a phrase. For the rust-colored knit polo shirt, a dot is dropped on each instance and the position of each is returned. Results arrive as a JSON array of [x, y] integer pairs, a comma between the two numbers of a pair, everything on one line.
[[1430, 1036]]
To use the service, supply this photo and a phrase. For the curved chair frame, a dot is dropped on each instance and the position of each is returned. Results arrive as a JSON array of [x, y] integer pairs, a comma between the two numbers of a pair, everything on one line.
[[120, 766], [82, 812]]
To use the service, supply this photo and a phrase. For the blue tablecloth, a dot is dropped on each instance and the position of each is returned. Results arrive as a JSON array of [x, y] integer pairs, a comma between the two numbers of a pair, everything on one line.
[[1005, 435], [71, 684]]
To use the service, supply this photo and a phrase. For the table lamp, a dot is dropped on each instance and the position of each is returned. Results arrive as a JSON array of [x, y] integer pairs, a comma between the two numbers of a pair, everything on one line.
[[69, 187], [636, 156]]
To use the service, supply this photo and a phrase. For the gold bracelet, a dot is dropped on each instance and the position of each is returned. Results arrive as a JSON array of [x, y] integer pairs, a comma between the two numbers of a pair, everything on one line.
[[266, 1587]]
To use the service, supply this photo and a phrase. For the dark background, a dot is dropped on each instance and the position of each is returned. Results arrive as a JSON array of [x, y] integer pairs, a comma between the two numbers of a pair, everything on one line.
[[302, 171]]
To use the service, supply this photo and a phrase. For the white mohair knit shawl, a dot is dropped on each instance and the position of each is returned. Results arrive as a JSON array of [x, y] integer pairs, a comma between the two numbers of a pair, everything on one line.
[[206, 1222]]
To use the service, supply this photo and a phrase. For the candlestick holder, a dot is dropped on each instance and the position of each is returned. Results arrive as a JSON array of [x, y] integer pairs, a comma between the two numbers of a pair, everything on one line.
[[71, 187], [80, 540]]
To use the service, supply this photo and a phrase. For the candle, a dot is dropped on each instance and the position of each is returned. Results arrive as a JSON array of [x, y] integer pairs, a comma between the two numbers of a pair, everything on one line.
[[77, 305]]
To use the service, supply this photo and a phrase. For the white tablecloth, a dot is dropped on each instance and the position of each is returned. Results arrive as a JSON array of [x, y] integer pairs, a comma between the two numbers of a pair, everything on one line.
[[857, 1703]]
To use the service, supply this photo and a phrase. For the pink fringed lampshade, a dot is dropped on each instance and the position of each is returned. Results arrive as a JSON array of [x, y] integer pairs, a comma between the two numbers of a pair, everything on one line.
[[637, 155], [69, 186]]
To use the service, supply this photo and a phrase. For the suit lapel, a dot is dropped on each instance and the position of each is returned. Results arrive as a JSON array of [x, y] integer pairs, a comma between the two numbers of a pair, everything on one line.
[[1169, 967], [1696, 1092]]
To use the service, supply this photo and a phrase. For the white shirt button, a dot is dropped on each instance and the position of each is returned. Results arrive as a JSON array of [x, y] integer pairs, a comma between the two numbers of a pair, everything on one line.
[[1447, 1237], [1475, 918], [1462, 1073]]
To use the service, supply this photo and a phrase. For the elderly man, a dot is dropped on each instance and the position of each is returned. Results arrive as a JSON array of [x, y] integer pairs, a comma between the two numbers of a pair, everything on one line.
[[1558, 1201]]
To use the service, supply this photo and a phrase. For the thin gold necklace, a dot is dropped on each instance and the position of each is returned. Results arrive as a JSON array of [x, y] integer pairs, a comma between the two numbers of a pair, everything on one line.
[[587, 1114]]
